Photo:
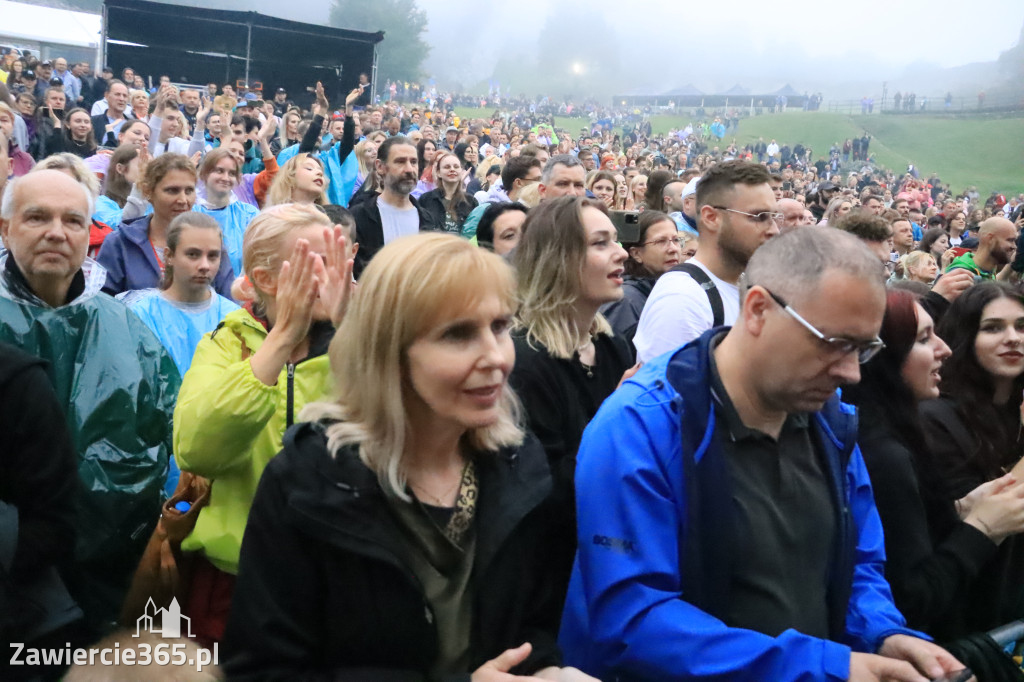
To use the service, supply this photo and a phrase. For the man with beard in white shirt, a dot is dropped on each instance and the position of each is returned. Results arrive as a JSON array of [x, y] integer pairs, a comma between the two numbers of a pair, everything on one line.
[[393, 213], [736, 213]]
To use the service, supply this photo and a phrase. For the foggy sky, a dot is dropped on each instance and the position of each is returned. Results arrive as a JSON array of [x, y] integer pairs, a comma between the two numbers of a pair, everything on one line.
[[658, 45], [717, 44]]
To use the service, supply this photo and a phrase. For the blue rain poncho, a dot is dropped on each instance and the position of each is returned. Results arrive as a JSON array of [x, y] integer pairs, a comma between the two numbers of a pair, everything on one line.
[[233, 220], [179, 326]]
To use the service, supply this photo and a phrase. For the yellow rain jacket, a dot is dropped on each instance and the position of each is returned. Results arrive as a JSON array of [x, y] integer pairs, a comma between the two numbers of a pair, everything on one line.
[[228, 425]]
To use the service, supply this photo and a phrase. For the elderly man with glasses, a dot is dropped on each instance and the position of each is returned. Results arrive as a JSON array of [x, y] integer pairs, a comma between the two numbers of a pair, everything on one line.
[[736, 213], [726, 523]]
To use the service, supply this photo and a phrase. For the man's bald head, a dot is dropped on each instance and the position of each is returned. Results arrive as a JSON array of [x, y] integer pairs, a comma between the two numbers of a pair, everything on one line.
[[45, 225], [792, 214], [995, 225], [997, 242]]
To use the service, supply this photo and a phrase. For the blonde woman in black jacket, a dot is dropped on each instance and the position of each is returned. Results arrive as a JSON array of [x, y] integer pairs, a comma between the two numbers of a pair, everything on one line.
[[404, 535]]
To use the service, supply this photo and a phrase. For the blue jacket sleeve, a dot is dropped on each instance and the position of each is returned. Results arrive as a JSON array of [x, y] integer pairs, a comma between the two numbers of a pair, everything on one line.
[[872, 615], [112, 258], [225, 277], [630, 515]]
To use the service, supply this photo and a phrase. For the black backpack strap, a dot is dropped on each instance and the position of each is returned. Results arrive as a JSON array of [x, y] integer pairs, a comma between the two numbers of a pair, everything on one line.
[[714, 297]]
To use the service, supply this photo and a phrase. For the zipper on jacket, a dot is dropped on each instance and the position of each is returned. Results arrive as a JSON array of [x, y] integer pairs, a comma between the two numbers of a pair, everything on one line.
[[290, 415]]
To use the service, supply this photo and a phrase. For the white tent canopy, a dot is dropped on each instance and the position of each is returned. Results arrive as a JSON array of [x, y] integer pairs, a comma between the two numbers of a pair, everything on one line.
[[24, 23]]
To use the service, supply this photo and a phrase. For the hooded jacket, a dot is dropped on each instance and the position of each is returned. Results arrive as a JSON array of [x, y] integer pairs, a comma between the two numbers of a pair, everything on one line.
[[130, 262], [653, 565], [116, 385], [228, 424], [326, 590]]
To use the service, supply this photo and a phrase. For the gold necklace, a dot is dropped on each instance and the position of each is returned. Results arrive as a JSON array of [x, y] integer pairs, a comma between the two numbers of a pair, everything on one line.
[[439, 500]]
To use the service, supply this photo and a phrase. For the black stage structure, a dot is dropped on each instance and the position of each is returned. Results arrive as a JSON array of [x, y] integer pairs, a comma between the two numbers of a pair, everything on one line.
[[199, 46]]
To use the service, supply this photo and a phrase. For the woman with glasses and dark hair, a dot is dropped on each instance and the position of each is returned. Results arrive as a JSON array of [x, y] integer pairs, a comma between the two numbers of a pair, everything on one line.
[[657, 249], [934, 555]]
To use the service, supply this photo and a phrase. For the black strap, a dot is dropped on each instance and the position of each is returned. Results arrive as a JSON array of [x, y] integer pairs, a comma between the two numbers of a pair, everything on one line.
[[714, 297]]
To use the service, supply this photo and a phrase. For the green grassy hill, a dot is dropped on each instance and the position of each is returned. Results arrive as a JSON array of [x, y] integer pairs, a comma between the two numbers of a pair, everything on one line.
[[986, 153]]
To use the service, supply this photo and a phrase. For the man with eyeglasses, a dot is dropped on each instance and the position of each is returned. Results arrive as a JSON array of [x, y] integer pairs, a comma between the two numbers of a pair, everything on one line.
[[726, 523], [736, 213]]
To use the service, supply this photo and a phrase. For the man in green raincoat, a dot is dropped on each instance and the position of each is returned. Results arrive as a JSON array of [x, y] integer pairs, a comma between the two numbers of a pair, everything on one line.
[[112, 376]]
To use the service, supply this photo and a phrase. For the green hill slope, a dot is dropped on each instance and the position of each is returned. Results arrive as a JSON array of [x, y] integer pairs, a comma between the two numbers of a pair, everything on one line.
[[986, 153]]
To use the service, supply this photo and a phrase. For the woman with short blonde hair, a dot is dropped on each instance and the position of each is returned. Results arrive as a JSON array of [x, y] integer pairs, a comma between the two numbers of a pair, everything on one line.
[[416, 497], [301, 180], [247, 383], [919, 266], [139, 102]]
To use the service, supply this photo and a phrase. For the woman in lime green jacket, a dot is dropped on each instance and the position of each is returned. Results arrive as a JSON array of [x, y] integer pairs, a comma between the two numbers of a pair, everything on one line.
[[248, 380]]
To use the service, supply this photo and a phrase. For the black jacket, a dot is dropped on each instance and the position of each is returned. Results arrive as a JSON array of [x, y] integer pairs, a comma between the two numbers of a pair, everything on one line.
[[99, 130], [38, 486], [932, 557], [624, 315], [432, 203], [997, 595], [325, 590], [370, 232]]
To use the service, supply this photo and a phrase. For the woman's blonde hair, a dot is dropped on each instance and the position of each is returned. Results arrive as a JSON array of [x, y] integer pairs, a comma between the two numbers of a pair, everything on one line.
[[485, 166], [914, 259], [360, 151], [261, 244], [182, 123], [421, 281], [529, 196], [549, 260], [284, 183], [73, 165]]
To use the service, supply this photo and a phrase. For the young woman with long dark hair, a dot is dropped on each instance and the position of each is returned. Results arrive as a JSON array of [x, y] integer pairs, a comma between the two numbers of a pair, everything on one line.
[[447, 206], [934, 556], [974, 436]]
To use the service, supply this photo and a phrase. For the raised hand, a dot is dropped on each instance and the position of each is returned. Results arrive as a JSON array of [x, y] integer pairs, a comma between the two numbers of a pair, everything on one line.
[[334, 273], [321, 98], [269, 128], [296, 293]]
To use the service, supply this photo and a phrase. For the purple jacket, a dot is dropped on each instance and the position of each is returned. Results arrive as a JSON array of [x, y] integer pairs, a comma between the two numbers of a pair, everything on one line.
[[128, 256]]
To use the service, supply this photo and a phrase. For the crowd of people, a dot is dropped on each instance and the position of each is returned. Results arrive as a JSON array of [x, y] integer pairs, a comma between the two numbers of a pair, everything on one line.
[[372, 391]]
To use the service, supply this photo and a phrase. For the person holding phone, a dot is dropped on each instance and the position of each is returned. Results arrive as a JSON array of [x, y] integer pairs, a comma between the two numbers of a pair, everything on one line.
[[656, 250], [73, 134]]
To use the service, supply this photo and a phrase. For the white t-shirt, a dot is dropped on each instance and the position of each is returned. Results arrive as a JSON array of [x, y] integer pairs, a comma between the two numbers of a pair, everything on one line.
[[396, 222], [678, 311]]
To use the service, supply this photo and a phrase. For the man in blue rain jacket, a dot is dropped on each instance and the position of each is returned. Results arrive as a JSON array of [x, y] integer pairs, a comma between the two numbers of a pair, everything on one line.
[[726, 524]]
